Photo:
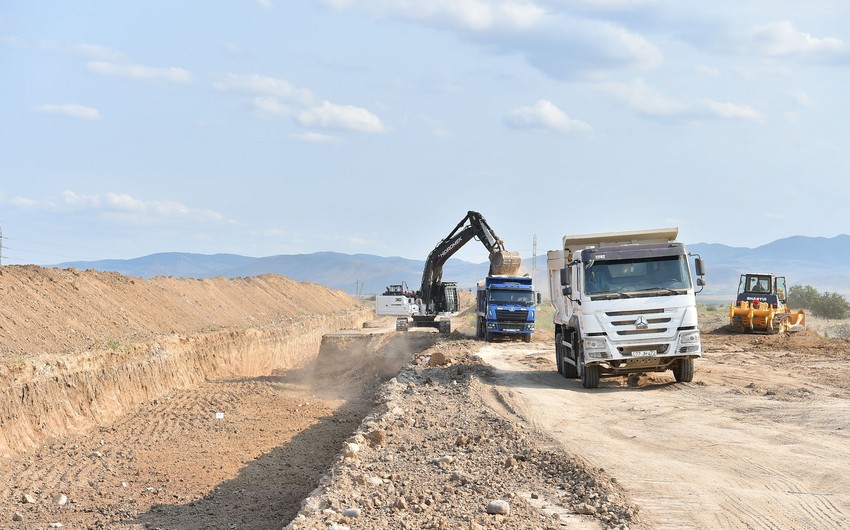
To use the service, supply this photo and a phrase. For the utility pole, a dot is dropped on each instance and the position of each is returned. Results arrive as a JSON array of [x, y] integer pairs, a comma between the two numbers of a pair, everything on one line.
[[534, 260]]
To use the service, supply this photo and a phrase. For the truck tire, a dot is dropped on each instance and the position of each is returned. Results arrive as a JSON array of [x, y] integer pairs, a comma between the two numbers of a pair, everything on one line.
[[488, 337], [559, 355], [445, 326], [683, 371], [479, 329], [589, 374], [570, 370], [526, 337]]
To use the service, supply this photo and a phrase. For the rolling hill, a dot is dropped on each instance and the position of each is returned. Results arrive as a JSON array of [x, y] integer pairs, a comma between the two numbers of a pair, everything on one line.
[[817, 261]]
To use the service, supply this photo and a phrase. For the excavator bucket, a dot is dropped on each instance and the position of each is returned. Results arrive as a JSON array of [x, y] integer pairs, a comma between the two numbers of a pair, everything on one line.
[[505, 263]]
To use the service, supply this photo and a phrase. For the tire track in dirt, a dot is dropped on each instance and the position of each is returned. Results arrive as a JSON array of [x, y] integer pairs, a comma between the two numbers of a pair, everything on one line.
[[698, 455]]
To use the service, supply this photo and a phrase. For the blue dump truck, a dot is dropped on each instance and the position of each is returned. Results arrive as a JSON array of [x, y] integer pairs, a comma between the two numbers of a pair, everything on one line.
[[506, 306]]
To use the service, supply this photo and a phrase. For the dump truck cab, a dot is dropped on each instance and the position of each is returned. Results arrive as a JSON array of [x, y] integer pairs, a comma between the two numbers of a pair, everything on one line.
[[624, 304]]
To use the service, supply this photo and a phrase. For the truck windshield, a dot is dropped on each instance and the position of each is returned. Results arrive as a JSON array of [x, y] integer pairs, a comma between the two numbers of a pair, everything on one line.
[[652, 276], [512, 297]]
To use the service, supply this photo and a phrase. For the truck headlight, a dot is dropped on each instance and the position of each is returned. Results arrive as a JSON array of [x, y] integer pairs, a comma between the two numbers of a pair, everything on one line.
[[689, 342], [689, 338], [595, 345]]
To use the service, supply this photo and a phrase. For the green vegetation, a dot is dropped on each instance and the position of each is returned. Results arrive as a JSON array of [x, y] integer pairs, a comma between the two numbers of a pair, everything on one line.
[[544, 324], [826, 304]]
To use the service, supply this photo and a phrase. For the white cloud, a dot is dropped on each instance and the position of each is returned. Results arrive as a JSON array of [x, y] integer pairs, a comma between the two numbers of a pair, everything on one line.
[[271, 106], [71, 110], [644, 99], [802, 99], [781, 38], [345, 117], [545, 115], [306, 108], [13, 41], [476, 15], [706, 71], [316, 138], [554, 41], [648, 101], [265, 4], [267, 86], [121, 207], [767, 69], [95, 51], [140, 72], [731, 111]]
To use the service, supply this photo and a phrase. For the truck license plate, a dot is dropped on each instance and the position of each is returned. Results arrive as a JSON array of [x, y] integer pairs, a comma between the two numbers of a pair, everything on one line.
[[643, 353]]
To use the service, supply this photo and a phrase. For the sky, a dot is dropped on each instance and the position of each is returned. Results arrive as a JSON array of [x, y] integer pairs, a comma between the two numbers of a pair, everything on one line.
[[266, 127]]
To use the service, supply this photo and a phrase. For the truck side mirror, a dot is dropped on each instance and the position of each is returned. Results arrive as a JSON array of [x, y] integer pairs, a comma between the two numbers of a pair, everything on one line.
[[699, 264], [538, 298], [565, 277]]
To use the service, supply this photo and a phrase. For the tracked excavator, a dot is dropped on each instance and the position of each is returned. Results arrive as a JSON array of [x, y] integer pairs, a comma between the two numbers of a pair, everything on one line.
[[438, 300]]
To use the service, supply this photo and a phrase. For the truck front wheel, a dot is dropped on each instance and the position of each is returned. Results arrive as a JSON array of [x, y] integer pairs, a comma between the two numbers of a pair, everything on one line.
[[589, 374], [683, 371], [526, 337]]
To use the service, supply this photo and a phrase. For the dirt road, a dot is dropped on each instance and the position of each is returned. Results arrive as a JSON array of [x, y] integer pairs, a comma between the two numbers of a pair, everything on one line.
[[760, 439]]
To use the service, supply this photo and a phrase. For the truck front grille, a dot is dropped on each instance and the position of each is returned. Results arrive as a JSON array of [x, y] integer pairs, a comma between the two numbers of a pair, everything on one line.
[[512, 316]]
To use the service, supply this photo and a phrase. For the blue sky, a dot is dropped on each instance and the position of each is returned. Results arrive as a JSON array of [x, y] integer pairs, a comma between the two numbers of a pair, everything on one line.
[[284, 127]]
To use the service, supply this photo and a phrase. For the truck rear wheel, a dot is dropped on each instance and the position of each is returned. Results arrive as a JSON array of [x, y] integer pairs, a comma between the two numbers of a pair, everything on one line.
[[683, 371], [570, 370], [559, 355]]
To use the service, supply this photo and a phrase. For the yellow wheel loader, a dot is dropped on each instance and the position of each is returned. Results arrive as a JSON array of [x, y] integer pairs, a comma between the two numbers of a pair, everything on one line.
[[761, 306]]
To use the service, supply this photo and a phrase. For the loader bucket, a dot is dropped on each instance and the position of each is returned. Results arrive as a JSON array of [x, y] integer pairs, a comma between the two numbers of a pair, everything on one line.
[[505, 263]]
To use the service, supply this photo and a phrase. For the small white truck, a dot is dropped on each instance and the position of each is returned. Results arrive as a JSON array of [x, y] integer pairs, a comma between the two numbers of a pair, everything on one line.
[[624, 304]]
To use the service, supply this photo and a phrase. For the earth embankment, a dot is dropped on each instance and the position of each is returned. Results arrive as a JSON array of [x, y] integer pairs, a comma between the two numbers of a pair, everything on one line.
[[81, 348]]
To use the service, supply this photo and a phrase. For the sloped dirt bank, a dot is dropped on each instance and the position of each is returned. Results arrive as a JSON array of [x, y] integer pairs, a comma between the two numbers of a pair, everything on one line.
[[74, 392], [229, 453], [79, 349]]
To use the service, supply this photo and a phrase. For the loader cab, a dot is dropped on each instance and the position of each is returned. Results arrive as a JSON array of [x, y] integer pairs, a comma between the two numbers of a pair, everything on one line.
[[761, 286]]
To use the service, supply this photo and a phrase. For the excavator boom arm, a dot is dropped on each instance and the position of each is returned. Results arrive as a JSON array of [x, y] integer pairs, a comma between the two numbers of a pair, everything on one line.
[[501, 261]]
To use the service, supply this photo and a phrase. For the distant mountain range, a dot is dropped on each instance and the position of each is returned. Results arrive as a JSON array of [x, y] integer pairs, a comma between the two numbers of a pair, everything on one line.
[[816, 261]]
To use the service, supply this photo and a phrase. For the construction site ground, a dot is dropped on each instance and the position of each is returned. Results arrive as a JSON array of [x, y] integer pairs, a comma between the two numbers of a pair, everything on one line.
[[114, 416]]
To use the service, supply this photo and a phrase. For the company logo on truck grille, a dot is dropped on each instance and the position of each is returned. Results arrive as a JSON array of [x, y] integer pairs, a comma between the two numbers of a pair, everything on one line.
[[641, 322]]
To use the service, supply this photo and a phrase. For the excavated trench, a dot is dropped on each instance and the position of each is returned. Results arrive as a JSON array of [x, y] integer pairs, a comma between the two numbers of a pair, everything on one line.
[[223, 430]]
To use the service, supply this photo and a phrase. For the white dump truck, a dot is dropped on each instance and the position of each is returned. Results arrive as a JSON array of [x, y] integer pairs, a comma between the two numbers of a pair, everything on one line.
[[624, 304]]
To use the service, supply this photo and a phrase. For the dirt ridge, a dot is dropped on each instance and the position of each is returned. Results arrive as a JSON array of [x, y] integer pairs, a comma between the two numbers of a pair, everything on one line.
[[173, 333]]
